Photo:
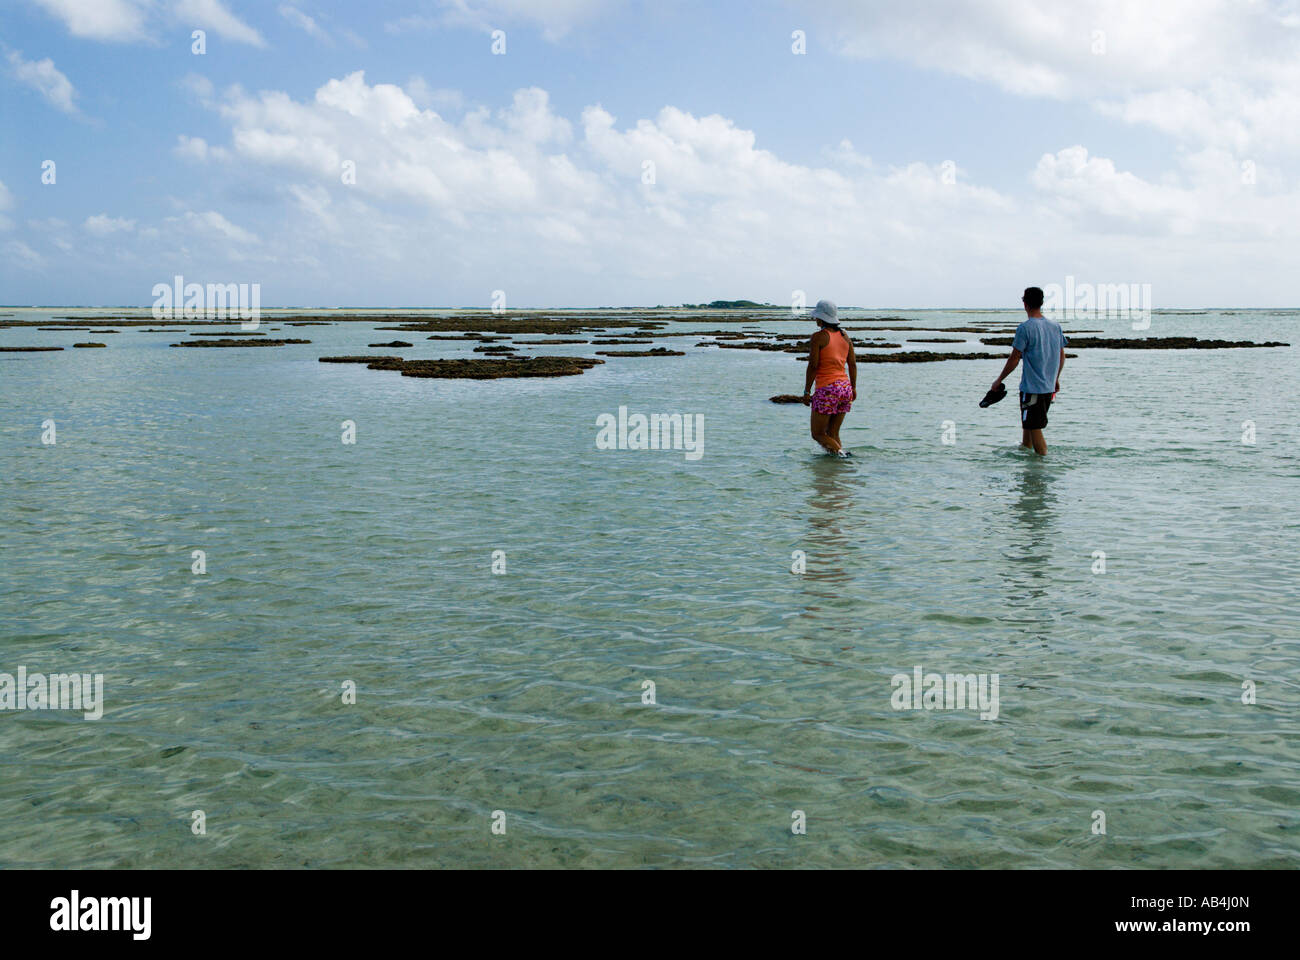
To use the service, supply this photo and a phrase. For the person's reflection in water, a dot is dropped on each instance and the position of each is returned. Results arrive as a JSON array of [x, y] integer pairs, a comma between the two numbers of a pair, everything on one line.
[[828, 544], [1028, 575], [830, 512], [1035, 501]]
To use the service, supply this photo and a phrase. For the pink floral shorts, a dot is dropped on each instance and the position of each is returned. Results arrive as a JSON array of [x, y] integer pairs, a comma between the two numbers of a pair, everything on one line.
[[833, 398]]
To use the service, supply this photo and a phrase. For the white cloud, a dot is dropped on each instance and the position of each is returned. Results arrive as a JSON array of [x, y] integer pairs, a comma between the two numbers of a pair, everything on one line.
[[425, 96], [516, 179], [198, 149], [46, 79], [1206, 199], [192, 148], [1093, 183], [1208, 72], [317, 203], [555, 210], [307, 24], [143, 20], [6, 202], [487, 162], [1225, 114], [102, 225], [1079, 49], [52, 230], [215, 16], [198, 86], [19, 252], [518, 186], [116, 20], [353, 38], [213, 225], [555, 18]]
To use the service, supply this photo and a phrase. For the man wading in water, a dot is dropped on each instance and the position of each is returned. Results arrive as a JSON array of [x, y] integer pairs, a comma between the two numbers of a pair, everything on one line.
[[829, 351], [1041, 344]]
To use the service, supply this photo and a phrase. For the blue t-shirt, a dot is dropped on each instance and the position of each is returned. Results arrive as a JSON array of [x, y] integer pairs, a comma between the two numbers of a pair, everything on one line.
[[1040, 342]]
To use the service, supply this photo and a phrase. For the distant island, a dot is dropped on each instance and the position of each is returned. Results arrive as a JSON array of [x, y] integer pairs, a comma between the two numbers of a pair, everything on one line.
[[727, 305]]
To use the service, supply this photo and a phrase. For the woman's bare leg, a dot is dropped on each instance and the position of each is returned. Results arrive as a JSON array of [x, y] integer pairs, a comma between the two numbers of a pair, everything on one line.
[[833, 427], [820, 426]]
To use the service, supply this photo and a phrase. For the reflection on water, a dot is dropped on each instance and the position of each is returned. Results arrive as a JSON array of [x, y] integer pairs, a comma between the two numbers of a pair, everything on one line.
[[521, 690], [1027, 573], [1034, 508], [831, 503]]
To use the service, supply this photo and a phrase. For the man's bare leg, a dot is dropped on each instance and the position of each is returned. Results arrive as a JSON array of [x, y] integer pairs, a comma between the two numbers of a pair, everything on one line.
[[1039, 442], [1025, 439]]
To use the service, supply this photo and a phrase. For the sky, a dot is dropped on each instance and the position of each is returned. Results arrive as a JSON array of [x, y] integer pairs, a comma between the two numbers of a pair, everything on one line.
[[552, 153]]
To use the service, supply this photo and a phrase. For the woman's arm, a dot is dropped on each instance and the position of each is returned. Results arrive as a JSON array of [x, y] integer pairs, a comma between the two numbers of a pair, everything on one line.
[[853, 370], [814, 354]]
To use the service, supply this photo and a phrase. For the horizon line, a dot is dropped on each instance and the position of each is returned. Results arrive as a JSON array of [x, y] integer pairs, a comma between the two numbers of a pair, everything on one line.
[[508, 310]]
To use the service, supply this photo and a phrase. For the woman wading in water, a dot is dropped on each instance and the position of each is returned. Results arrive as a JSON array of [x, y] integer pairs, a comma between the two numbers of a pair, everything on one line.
[[830, 353]]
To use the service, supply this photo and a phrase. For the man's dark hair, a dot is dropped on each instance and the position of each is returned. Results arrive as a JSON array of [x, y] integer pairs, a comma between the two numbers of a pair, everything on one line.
[[1034, 298]]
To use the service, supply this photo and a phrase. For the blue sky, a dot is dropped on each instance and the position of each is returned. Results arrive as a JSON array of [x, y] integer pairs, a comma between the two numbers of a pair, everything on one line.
[[934, 153]]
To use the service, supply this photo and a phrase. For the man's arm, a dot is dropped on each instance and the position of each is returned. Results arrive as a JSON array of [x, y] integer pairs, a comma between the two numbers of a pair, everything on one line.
[[1060, 368], [1013, 361]]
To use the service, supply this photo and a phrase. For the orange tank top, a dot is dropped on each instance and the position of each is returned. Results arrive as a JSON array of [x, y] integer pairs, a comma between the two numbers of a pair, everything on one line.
[[831, 360]]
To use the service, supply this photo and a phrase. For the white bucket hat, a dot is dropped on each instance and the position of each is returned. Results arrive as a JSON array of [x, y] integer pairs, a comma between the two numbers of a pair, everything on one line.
[[826, 312]]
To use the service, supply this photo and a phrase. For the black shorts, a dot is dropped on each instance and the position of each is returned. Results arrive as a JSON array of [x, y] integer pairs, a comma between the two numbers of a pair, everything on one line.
[[1033, 410]]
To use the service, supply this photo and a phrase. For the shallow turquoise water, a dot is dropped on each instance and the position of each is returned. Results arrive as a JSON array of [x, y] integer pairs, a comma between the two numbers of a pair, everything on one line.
[[521, 692]]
